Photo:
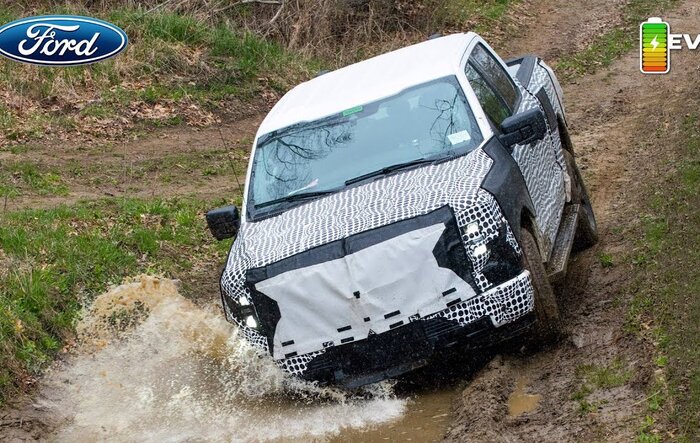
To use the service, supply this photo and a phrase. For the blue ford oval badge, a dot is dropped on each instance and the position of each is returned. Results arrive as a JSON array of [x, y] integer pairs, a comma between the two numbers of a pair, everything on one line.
[[61, 40]]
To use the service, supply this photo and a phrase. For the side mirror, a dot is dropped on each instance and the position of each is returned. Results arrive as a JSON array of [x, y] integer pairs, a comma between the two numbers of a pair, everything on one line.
[[224, 222], [523, 128]]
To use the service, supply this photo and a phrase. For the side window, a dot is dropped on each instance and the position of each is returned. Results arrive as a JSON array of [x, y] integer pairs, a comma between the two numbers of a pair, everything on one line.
[[492, 85]]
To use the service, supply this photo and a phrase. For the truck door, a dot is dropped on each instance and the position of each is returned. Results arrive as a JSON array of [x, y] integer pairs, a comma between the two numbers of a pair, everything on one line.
[[501, 96]]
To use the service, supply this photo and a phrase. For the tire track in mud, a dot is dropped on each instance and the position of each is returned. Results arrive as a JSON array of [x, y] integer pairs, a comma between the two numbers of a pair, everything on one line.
[[612, 116]]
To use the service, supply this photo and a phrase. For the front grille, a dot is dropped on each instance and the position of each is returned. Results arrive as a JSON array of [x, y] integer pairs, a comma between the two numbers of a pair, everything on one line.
[[448, 252]]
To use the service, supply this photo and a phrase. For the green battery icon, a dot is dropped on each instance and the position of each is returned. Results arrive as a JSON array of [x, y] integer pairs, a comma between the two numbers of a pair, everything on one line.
[[654, 55]]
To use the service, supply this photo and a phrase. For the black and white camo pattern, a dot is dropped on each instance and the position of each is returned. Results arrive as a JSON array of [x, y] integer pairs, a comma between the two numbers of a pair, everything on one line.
[[297, 365], [543, 165], [503, 304], [394, 198]]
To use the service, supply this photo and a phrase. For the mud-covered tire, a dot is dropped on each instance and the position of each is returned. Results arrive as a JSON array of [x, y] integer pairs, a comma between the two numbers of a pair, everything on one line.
[[587, 230], [548, 326]]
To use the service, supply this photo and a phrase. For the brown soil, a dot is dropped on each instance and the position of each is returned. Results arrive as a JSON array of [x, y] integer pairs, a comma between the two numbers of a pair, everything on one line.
[[561, 27], [612, 116], [163, 162]]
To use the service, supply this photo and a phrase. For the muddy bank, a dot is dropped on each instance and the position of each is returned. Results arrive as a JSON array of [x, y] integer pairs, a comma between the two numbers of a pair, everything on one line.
[[594, 385]]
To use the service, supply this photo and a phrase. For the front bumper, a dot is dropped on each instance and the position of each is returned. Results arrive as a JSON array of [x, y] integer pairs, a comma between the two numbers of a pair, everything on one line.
[[483, 320]]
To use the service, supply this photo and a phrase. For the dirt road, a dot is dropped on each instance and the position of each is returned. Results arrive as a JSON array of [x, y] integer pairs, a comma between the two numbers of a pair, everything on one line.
[[592, 386]]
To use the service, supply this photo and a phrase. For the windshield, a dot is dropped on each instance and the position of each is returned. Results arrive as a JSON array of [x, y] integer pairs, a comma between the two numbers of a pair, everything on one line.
[[425, 122]]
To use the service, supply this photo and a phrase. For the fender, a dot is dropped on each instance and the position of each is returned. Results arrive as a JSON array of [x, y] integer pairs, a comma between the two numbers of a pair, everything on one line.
[[564, 135], [506, 183]]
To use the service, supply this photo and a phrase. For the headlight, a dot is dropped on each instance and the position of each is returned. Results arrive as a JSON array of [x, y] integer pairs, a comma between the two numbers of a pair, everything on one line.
[[480, 250], [476, 242], [243, 311], [490, 253], [471, 230], [251, 322], [503, 263]]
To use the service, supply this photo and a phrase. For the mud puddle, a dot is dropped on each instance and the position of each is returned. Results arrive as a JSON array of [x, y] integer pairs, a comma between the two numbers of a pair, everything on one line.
[[520, 401], [150, 365]]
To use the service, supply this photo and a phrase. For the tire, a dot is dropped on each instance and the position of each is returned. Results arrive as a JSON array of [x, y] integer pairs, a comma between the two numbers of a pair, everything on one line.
[[548, 326], [587, 229]]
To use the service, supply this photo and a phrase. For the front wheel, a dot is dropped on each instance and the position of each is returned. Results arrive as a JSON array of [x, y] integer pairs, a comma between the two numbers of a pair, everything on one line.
[[548, 326]]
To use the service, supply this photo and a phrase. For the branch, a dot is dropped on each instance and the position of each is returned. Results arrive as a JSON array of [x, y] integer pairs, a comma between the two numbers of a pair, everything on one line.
[[158, 6], [277, 14], [243, 2]]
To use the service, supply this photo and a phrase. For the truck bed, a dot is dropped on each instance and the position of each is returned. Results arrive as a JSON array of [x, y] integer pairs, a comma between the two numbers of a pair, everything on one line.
[[522, 67]]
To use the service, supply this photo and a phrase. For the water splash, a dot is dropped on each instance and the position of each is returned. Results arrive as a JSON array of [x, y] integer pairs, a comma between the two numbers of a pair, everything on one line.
[[151, 365]]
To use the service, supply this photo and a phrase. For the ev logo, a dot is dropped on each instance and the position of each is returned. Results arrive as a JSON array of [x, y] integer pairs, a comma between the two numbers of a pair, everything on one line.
[[61, 40], [656, 43]]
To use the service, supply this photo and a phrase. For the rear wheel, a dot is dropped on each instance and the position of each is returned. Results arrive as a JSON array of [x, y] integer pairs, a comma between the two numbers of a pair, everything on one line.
[[548, 326], [587, 230]]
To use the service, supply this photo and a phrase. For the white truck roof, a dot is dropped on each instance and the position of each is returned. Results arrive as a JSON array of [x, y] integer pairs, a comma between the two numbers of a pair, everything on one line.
[[368, 81]]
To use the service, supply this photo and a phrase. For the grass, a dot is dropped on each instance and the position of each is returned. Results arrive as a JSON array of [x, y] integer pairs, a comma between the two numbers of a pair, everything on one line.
[[23, 176], [613, 43], [186, 66], [666, 307], [53, 261], [191, 67], [606, 260], [595, 377], [484, 14], [605, 377]]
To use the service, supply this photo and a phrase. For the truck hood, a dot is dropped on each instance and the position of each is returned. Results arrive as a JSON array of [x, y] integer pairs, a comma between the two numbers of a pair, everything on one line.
[[386, 200]]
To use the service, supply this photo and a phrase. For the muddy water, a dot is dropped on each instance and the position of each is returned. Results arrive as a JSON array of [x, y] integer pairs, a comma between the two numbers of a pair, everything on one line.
[[150, 365], [520, 401]]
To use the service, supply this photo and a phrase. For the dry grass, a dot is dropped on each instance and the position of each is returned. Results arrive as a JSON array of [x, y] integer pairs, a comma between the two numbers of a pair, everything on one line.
[[197, 61], [176, 69]]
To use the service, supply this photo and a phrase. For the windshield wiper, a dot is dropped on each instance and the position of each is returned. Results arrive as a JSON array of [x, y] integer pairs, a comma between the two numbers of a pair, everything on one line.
[[295, 197], [386, 170]]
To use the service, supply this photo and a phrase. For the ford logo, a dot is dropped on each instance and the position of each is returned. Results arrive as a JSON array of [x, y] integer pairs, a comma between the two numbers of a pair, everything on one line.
[[60, 40]]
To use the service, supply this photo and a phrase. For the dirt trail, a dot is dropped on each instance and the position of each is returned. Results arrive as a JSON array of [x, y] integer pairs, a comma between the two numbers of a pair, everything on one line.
[[612, 116], [165, 162], [561, 27]]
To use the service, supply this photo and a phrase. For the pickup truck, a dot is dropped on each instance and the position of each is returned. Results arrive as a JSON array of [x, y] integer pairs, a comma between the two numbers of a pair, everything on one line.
[[416, 203]]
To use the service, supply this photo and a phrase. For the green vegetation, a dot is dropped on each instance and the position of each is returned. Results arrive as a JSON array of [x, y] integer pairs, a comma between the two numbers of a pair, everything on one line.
[[606, 260], [203, 61], [595, 377], [666, 294], [610, 45], [52, 261], [483, 14], [605, 377], [646, 432], [25, 176]]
